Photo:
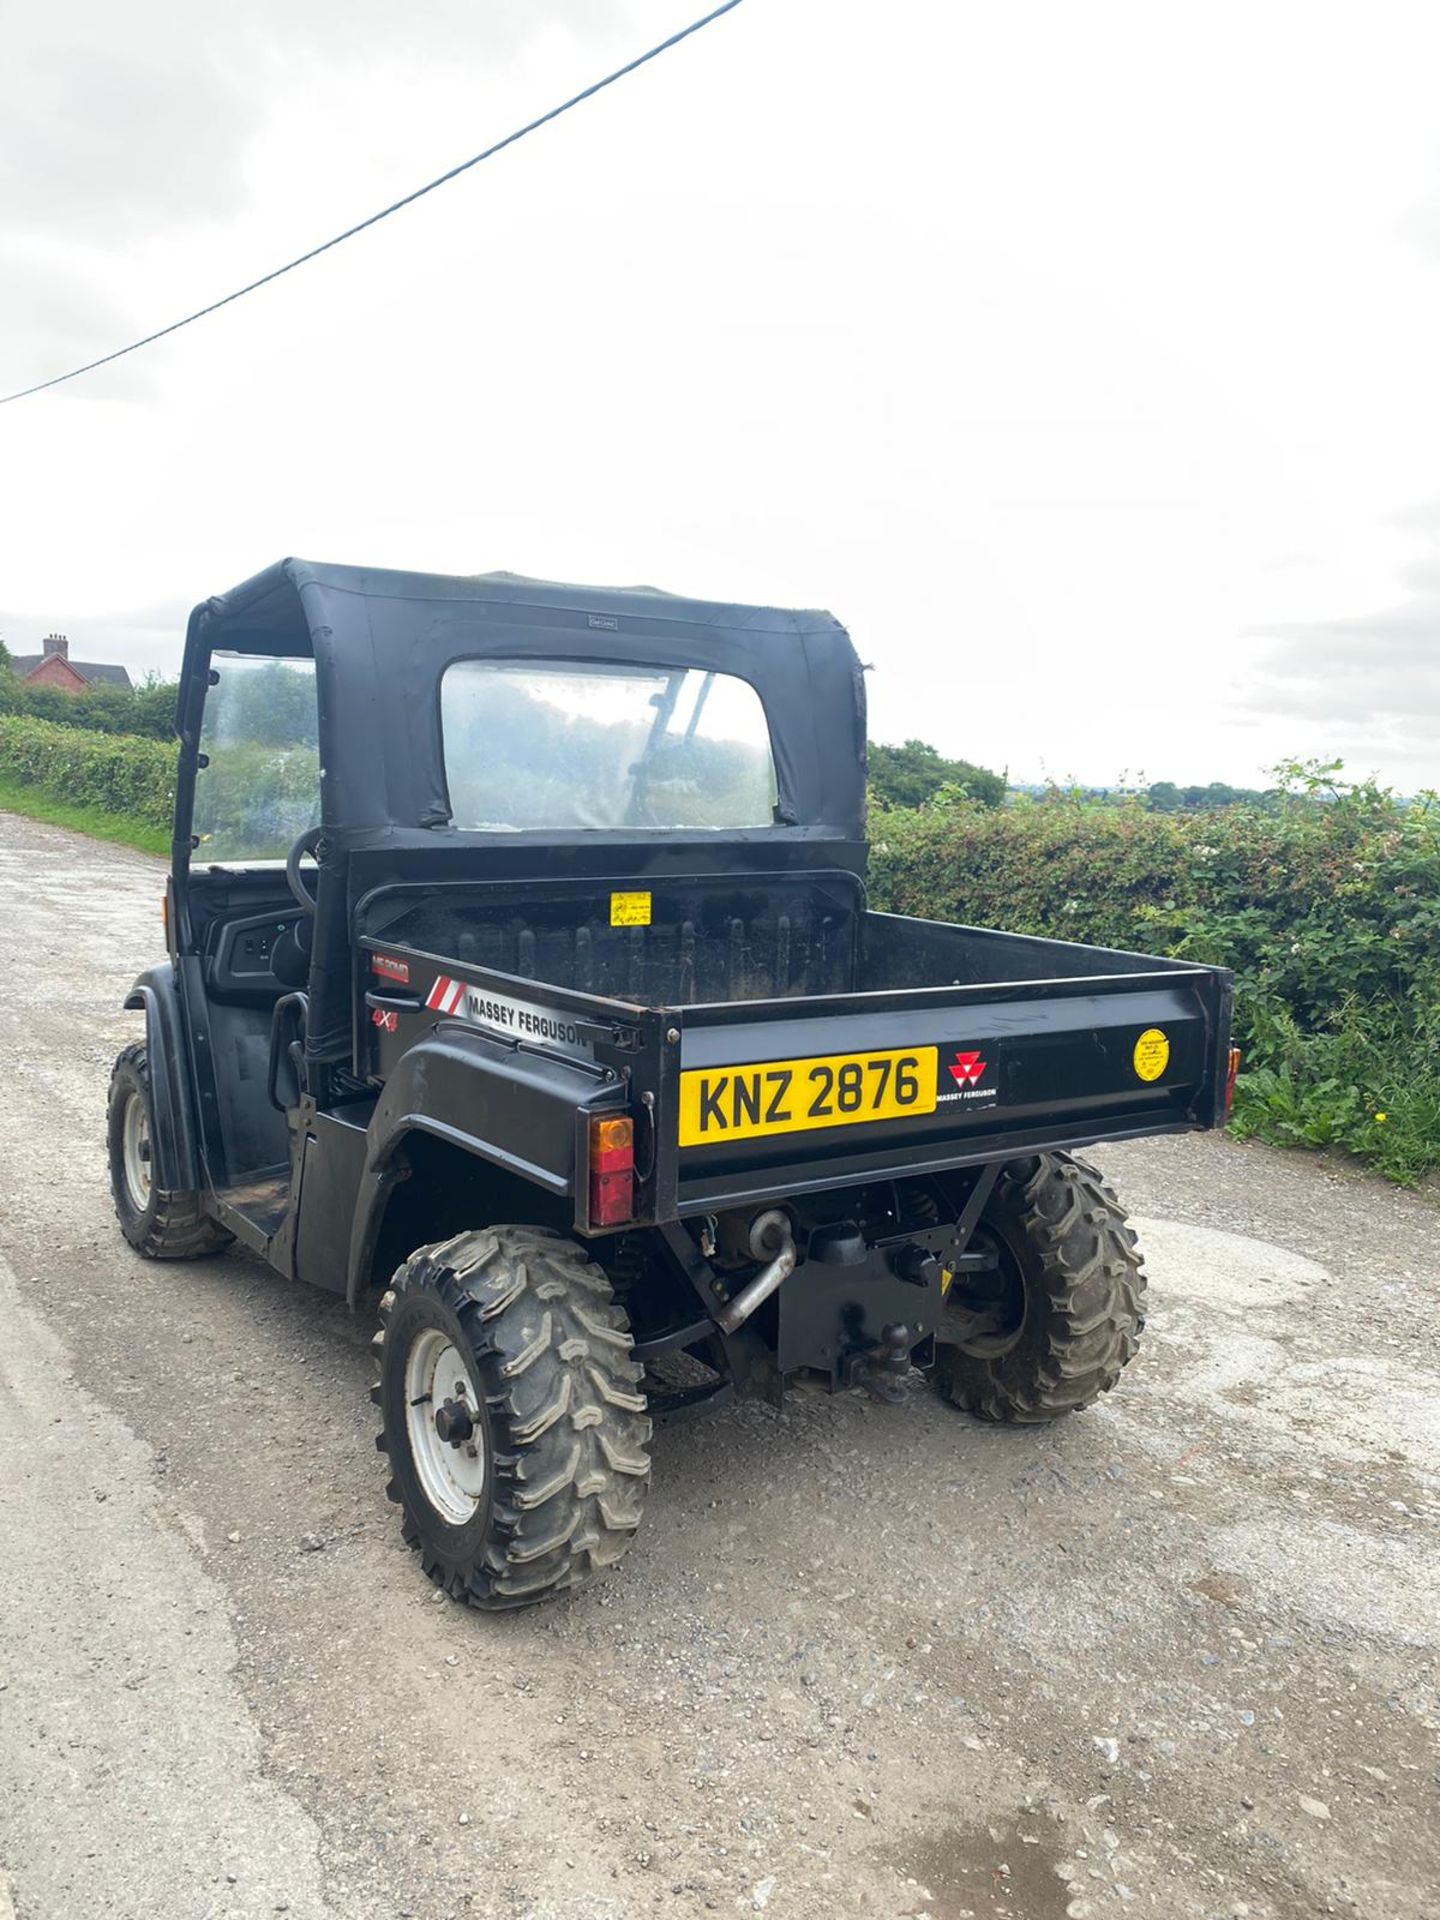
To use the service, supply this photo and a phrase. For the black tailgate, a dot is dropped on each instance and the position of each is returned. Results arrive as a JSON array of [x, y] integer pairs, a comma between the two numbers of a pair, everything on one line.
[[989, 1071]]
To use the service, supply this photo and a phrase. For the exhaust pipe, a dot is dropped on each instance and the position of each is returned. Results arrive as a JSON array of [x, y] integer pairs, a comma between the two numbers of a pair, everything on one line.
[[769, 1235]]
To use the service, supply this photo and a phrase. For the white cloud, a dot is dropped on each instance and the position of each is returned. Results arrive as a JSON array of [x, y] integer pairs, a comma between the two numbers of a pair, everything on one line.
[[1059, 350], [1365, 685]]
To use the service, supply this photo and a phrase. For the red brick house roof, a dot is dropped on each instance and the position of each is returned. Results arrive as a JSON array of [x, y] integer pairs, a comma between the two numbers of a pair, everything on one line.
[[55, 668]]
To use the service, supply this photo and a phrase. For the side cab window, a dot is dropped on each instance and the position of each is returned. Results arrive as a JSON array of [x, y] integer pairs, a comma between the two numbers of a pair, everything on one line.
[[258, 786]]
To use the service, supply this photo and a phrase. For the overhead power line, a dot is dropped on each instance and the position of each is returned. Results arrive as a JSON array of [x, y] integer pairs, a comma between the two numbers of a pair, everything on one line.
[[586, 93]]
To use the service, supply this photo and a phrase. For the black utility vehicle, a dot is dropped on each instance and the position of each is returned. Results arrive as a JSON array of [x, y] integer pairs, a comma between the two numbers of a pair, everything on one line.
[[521, 968]]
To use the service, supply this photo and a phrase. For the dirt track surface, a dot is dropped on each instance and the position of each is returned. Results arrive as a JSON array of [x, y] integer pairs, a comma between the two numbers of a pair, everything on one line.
[[1175, 1657]]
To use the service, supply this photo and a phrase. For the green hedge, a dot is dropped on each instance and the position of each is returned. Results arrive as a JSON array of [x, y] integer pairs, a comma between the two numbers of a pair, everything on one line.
[[1327, 905], [117, 774], [147, 710]]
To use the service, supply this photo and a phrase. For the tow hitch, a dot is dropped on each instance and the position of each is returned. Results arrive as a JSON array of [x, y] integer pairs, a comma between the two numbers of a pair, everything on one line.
[[883, 1369]]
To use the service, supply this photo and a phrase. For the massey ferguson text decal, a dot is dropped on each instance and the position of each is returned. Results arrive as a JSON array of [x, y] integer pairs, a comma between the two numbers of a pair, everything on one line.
[[517, 1019]]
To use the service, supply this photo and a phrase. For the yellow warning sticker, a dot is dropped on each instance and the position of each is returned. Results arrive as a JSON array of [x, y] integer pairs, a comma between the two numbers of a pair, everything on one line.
[[1152, 1054], [629, 909]]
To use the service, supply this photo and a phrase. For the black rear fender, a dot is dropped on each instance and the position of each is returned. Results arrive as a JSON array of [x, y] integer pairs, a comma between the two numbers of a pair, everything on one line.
[[440, 1190], [510, 1108], [174, 1143]]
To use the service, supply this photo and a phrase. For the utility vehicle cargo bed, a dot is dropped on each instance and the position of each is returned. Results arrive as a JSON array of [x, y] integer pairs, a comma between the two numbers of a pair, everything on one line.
[[788, 1038]]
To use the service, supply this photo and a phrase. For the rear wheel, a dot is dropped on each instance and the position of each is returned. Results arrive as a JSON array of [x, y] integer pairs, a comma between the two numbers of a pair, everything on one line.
[[1063, 1309], [162, 1225], [516, 1430]]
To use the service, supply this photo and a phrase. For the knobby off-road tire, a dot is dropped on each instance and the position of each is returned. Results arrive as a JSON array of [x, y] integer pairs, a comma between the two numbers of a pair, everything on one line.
[[1073, 1274], [515, 1329], [161, 1225]]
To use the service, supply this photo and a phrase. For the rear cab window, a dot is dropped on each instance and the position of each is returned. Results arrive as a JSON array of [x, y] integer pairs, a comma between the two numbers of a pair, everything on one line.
[[541, 744]]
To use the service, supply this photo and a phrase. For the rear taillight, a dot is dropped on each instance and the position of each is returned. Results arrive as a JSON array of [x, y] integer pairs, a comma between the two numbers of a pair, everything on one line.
[[1232, 1071], [612, 1171]]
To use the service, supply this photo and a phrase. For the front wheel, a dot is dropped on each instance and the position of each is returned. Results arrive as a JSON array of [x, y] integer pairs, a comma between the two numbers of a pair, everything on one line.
[[514, 1423], [162, 1225], [1064, 1305]]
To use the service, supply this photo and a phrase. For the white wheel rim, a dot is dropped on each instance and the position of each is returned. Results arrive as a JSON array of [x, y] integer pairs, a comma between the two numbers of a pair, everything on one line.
[[135, 1152], [452, 1477]]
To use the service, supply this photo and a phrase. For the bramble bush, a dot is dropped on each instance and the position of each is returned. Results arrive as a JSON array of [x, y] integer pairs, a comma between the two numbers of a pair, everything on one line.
[[1325, 902]]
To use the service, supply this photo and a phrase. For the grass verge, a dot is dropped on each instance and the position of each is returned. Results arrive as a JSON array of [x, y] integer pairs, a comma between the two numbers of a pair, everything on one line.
[[35, 805]]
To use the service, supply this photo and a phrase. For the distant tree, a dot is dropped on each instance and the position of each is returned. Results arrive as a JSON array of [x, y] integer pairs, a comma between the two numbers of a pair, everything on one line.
[[148, 710], [1166, 797], [5, 666], [912, 774], [154, 707], [269, 705]]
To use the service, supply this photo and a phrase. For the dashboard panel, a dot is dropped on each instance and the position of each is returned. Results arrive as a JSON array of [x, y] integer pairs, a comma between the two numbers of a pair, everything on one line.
[[240, 964]]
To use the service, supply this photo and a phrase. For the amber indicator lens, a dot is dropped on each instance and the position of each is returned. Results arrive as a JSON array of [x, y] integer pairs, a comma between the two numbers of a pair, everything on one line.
[[612, 1171]]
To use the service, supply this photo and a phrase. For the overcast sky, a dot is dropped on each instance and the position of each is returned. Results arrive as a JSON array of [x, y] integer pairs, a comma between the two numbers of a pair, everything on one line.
[[1084, 359]]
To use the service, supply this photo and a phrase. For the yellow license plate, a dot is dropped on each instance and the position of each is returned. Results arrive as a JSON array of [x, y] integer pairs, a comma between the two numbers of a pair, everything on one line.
[[718, 1104]]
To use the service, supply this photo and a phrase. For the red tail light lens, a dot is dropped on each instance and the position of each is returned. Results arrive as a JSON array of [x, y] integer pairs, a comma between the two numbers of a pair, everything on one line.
[[1232, 1072], [612, 1171]]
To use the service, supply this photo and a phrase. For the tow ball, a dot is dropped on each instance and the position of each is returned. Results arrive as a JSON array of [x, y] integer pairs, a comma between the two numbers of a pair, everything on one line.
[[883, 1369]]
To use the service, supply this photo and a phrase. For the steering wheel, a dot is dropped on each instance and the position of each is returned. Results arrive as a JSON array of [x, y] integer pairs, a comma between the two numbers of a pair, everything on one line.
[[307, 843]]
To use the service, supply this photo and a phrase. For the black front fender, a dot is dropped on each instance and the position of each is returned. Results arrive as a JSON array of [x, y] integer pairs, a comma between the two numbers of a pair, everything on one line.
[[173, 1140]]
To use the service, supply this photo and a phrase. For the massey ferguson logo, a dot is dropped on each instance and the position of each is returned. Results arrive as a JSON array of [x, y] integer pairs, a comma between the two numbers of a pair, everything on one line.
[[967, 1070]]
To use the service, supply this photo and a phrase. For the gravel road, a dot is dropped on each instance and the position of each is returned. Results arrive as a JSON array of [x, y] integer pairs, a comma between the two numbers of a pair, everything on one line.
[[1173, 1658]]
